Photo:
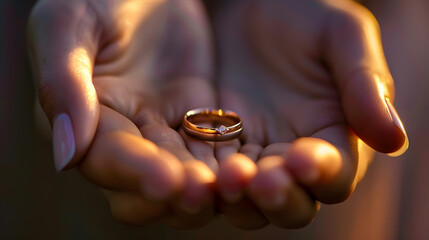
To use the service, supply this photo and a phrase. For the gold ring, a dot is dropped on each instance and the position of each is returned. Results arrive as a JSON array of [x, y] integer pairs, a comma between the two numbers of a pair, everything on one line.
[[212, 124]]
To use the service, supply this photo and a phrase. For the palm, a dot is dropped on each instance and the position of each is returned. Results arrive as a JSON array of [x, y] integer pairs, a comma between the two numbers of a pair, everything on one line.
[[153, 64], [275, 75], [153, 55]]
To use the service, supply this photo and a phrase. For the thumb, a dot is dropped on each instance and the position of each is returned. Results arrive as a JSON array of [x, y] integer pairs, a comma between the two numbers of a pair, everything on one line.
[[62, 48], [356, 58]]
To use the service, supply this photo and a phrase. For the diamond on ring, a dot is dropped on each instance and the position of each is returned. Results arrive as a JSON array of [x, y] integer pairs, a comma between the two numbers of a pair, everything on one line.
[[222, 129]]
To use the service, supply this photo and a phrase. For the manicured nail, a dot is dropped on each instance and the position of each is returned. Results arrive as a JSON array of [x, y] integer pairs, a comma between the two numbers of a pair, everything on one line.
[[397, 121], [63, 141]]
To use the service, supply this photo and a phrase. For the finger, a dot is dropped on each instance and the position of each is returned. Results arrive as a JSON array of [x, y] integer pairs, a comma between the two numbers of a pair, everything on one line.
[[198, 186], [336, 185], [121, 159], [255, 129], [168, 139], [133, 209], [234, 174], [251, 150], [328, 162], [275, 149], [355, 55], [236, 170], [283, 203], [195, 207], [63, 45], [225, 149], [201, 150], [153, 127]]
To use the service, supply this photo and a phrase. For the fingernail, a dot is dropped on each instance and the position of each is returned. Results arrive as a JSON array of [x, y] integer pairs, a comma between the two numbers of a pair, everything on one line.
[[397, 121], [63, 141]]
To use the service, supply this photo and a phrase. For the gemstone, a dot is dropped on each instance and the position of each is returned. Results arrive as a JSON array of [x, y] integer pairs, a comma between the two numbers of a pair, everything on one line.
[[222, 129]]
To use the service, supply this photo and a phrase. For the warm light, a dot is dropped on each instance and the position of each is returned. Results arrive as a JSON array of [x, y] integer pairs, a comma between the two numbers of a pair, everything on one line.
[[329, 157], [382, 89], [323, 150], [373, 44], [203, 172], [131, 14], [220, 112], [80, 65], [271, 162], [365, 156], [247, 166]]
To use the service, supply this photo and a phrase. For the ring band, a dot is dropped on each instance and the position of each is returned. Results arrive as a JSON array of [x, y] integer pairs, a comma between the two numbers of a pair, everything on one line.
[[222, 125]]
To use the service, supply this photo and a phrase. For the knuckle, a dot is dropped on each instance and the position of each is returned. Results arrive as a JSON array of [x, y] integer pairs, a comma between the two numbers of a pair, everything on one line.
[[353, 20]]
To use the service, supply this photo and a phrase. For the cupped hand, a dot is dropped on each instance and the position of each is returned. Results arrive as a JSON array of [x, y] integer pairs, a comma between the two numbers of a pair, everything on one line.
[[115, 78], [313, 87]]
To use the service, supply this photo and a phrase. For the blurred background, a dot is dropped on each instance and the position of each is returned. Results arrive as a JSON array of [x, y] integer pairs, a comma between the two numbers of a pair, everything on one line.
[[390, 203]]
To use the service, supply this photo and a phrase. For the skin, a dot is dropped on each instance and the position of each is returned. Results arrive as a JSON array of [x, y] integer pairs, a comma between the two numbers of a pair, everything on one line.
[[310, 80], [126, 82]]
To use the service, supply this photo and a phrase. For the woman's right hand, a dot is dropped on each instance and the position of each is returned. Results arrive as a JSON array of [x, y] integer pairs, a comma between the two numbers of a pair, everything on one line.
[[115, 78]]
